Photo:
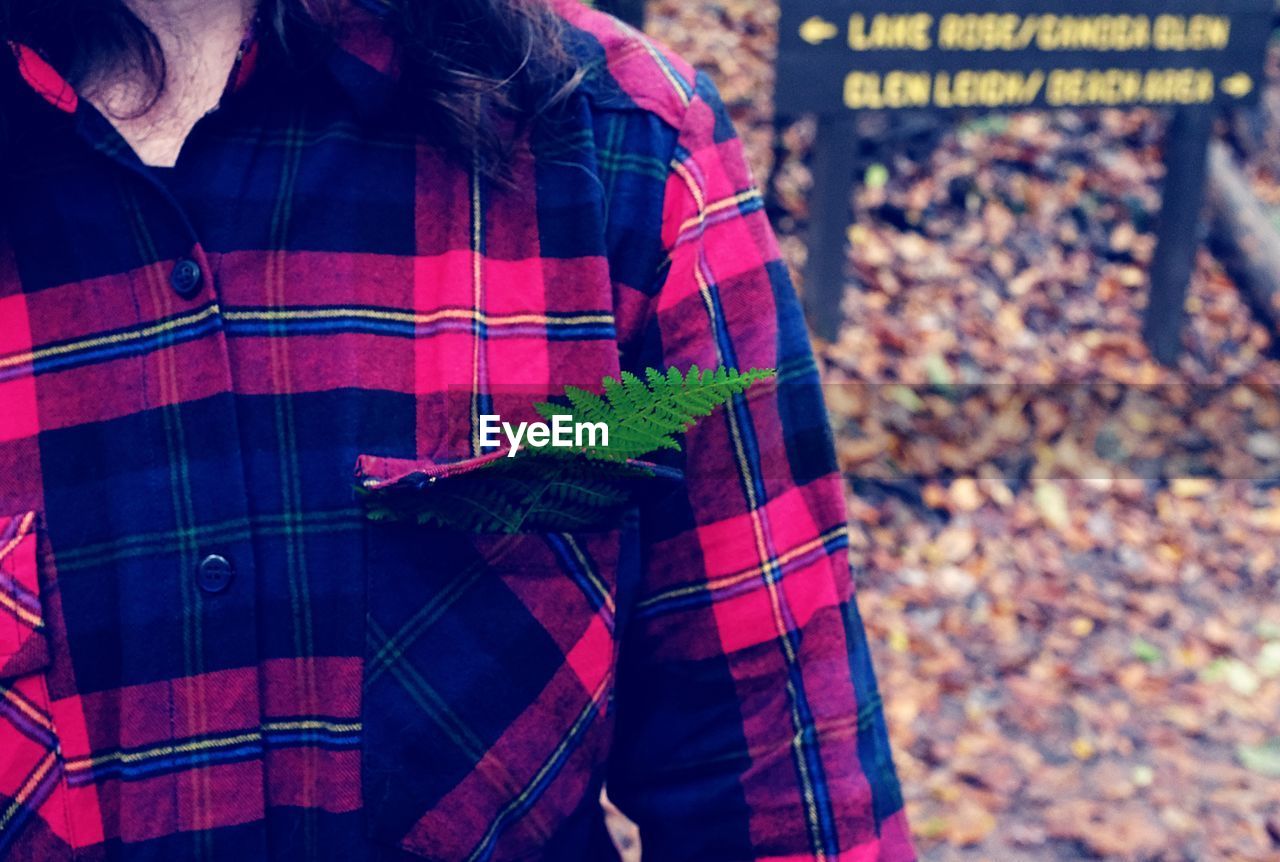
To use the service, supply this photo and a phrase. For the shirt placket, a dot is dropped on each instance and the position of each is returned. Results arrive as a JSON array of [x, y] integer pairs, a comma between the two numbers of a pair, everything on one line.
[[215, 711]]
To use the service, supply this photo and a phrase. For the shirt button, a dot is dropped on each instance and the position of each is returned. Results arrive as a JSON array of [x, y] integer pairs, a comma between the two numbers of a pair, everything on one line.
[[215, 573], [185, 278]]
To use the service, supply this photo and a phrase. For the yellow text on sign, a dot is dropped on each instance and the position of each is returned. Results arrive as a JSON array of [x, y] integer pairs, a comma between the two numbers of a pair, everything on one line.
[[996, 88], [1008, 32], [1194, 33], [994, 31], [1076, 87], [869, 91], [986, 89], [891, 32]]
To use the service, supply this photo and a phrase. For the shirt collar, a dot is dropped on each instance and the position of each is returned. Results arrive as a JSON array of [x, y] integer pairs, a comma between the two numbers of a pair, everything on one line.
[[364, 61], [44, 79]]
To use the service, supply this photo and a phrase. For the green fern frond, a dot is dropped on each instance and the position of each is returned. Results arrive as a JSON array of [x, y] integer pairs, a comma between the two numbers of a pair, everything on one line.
[[550, 489], [644, 416]]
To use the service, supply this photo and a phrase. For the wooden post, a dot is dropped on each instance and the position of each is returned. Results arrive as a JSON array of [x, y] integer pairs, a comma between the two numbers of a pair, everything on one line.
[[631, 11], [1186, 164], [1242, 235], [824, 273]]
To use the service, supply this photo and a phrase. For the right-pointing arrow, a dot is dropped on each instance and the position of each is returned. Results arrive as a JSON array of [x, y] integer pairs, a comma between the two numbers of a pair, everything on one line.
[[1238, 85]]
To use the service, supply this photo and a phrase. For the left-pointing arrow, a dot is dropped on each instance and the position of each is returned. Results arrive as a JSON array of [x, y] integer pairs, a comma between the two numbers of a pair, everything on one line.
[[817, 30]]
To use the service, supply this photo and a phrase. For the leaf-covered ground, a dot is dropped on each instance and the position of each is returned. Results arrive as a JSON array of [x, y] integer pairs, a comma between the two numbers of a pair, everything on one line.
[[1068, 556]]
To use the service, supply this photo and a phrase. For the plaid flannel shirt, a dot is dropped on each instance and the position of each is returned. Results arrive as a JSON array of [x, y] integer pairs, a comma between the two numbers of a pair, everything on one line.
[[207, 651]]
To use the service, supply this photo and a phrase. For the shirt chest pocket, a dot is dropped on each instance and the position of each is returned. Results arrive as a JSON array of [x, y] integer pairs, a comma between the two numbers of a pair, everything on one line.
[[488, 669]]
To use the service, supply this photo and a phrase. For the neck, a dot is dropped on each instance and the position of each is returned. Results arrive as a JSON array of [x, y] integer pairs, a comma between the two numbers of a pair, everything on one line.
[[199, 40], [179, 20]]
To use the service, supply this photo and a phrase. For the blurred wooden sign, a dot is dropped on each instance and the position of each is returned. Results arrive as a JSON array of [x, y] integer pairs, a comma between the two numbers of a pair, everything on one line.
[[842, 55]]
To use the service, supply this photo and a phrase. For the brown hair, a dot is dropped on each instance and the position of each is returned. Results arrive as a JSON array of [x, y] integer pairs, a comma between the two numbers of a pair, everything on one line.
[[479, 69]]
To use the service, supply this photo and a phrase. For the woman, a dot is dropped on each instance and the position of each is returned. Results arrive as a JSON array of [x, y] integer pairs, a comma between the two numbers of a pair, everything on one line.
[[249, 247]]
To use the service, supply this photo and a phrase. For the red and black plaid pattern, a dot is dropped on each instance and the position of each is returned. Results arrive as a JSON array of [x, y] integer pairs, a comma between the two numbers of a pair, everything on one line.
[[195, 366]]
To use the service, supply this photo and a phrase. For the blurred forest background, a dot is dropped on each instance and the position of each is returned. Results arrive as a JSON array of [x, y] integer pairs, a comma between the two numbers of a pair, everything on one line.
[[1068, 556]]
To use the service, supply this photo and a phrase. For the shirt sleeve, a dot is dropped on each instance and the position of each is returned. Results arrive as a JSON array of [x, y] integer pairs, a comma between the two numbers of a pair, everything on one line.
[[748, 722]]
